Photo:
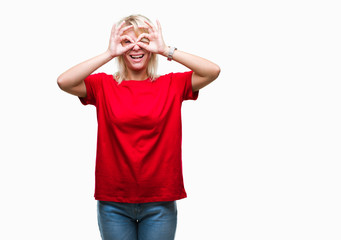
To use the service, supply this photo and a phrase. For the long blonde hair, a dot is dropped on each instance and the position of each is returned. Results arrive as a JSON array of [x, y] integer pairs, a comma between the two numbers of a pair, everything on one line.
[[136, 21]]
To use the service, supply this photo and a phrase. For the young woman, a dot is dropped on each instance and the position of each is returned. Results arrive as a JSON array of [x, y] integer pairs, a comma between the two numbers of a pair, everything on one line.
[[138, 160]]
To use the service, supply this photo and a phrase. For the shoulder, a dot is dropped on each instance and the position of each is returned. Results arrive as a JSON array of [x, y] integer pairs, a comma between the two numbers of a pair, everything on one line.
[[165, 76], [177, 78], [100, 78], [176, 75], [100, 75]]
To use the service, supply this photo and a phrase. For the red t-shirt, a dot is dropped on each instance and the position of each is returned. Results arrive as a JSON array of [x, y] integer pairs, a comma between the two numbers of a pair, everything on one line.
[[138, 155]]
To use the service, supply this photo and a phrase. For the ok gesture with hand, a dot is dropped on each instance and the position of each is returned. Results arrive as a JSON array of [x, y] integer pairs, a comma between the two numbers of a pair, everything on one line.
[[116, 38], [156, 42]]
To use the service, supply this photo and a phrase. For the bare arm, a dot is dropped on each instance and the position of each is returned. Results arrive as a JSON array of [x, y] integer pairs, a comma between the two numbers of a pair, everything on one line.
[[204, 71], [72, 81]]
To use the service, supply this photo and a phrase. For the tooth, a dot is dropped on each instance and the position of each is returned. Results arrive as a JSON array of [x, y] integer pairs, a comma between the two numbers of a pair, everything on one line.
[[137, 56]]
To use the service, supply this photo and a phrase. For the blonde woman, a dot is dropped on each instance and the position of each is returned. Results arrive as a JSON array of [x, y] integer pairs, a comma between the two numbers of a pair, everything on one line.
[[138, 161]]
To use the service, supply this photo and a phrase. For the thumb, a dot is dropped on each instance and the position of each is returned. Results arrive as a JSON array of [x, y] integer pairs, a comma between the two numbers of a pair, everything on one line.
[[142, 45], [128, 47]]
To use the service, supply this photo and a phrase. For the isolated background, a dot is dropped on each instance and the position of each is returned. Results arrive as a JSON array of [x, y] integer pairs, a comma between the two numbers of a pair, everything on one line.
[[261, 145]]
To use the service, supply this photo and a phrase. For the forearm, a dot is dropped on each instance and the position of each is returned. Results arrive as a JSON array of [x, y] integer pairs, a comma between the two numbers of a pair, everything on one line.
[[204, 71], [200, 66], [75, 75]]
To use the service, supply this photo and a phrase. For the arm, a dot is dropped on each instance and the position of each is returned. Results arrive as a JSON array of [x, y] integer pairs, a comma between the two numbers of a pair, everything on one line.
[[204, 71], [72, 81]]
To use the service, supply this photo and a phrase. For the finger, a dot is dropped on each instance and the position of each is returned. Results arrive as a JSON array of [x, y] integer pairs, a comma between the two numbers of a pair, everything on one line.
[[121, 25], [126, 37], [143, 35], [158, 25], [144, 27], [126, 41], [125, 29], [151, 26], [143, 45], [113, 29], [128, 47]]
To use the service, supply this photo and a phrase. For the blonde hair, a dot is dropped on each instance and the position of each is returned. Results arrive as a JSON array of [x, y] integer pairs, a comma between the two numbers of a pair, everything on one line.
[[136, 21]]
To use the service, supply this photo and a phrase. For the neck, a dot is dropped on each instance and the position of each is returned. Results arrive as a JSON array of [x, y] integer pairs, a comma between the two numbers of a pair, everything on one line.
[[137, 75]]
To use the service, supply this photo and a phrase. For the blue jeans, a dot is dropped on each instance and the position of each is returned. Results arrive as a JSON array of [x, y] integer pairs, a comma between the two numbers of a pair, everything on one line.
[[137, 221]]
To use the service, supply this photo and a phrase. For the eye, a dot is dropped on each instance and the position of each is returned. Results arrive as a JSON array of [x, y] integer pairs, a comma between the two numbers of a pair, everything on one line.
[[125, 42], [145, 40]]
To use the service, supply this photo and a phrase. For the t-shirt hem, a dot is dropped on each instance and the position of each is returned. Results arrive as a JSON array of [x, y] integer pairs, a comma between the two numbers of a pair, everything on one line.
[[139, 200], [85, 100]]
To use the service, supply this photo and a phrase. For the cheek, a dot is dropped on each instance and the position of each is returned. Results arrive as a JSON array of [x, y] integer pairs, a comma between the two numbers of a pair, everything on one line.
[[148, 56], [126, 58]]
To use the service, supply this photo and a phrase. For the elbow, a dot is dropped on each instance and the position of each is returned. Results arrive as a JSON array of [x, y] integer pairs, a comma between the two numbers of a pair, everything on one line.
[[218, 71], [61, 83], [215, 72]]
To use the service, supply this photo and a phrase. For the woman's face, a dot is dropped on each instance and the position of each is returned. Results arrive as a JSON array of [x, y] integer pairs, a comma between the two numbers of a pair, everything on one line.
[[137, 58]]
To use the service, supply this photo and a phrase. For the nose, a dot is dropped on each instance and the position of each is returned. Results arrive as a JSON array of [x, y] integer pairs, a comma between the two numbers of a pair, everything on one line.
[[136, 47]]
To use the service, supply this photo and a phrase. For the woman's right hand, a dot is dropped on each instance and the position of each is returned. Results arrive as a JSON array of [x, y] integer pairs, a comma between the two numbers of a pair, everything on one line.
[[116, 38]]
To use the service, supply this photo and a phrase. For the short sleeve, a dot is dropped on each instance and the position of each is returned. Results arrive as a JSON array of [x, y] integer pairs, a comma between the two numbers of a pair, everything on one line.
[[184, 84], [92, 84]]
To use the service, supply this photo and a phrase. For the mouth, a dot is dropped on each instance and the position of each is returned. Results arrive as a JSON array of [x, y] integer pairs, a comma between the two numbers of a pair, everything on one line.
[[136, 57]]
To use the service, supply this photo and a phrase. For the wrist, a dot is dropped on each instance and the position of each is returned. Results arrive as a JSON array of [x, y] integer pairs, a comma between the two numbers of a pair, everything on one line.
[[170, 53], [165, 51], [109, 54]]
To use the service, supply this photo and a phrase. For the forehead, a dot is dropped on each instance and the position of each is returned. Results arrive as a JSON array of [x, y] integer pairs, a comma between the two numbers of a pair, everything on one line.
[[136, 31]]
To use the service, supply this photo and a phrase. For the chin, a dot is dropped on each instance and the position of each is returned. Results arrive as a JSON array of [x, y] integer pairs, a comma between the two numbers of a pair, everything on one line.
[[137, 63]]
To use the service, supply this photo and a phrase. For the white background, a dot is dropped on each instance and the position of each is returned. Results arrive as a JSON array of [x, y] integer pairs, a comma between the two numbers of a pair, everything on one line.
[[261, 145]]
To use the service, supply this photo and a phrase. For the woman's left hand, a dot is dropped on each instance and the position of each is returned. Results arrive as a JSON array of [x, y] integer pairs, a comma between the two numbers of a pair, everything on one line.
[[156, 42]]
